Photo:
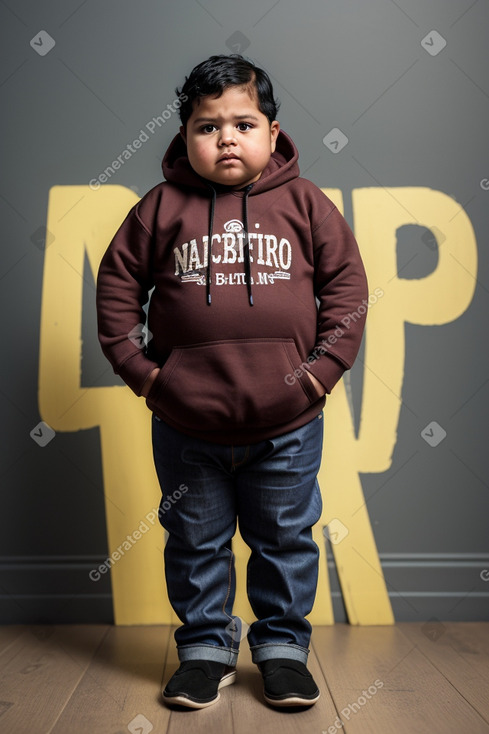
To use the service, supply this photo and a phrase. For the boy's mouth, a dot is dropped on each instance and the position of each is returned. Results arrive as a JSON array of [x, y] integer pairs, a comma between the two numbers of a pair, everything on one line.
[[228, 157]]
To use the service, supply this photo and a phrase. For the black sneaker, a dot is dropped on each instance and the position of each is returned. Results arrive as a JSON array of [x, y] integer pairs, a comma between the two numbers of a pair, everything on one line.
[[288, 683], [196, 683]]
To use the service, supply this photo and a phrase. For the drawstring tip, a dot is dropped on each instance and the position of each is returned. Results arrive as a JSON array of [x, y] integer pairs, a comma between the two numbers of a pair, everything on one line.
[[208, 299], [251, 300]]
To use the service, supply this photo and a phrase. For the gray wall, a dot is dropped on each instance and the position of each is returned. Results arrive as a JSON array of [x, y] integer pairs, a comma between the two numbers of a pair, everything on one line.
[[412, 119]]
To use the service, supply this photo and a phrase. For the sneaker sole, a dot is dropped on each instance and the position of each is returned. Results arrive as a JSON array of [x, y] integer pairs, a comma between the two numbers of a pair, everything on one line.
[[292, 701], [191, 703]]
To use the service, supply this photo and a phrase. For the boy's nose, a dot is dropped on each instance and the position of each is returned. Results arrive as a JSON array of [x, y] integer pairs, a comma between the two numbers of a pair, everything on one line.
[[227, 136]]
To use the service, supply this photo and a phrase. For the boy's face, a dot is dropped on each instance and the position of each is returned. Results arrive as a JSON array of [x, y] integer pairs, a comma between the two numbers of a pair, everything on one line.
[[229, 141]]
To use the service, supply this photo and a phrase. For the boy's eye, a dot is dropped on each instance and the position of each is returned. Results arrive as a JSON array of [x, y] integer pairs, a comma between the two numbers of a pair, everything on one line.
[[242, 127]]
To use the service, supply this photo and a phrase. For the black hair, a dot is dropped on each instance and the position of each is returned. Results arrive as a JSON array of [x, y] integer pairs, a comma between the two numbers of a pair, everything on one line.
[[216, 74]]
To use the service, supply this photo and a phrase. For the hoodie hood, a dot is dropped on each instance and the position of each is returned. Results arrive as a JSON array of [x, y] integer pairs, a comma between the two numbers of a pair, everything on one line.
[[281, 168]]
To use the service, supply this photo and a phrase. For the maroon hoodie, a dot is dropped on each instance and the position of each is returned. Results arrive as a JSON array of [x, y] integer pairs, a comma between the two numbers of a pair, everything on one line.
[[234, 333]]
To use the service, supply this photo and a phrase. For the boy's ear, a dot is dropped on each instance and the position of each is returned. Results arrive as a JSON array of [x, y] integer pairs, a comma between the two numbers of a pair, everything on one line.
[[274, 131], [182, 133]]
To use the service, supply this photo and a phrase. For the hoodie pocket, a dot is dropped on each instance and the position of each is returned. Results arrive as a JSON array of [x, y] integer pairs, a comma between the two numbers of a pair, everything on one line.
[[225, 384]]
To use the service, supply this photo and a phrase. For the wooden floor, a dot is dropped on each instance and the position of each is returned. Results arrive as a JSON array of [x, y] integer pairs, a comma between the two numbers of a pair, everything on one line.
[[98, 679]]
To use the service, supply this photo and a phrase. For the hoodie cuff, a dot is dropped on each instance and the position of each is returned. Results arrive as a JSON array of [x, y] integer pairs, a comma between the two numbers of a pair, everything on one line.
[[136, 370], [327, 370]]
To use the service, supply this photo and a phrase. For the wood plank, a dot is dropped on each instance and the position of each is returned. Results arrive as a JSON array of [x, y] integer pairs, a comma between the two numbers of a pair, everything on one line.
[[39, 672], [381, 682], [107, 680], [9, 633], [460, 651], [120, 691], [472, 641]]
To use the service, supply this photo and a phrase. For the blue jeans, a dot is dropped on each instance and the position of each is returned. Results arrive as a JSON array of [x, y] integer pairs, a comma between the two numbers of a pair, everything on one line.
[[271, 489]]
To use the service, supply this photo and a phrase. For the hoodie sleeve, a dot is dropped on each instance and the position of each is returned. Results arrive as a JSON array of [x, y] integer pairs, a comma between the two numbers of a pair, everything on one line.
[[123, 282], [340, 286]]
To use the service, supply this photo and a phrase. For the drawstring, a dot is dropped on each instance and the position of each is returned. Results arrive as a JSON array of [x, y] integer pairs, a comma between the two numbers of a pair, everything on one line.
[[209, 247], [247, 262], [246, 248]]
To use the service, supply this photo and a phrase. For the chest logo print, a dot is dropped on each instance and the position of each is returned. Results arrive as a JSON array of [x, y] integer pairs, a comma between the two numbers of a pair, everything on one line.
[[234, 225]]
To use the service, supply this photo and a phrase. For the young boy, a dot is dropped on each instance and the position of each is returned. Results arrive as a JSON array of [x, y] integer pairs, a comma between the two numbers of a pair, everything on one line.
[[253, 269]]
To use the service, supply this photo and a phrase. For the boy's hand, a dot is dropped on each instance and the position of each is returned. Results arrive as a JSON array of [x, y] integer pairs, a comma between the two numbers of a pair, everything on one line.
[[319, 387], [149, 382]]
